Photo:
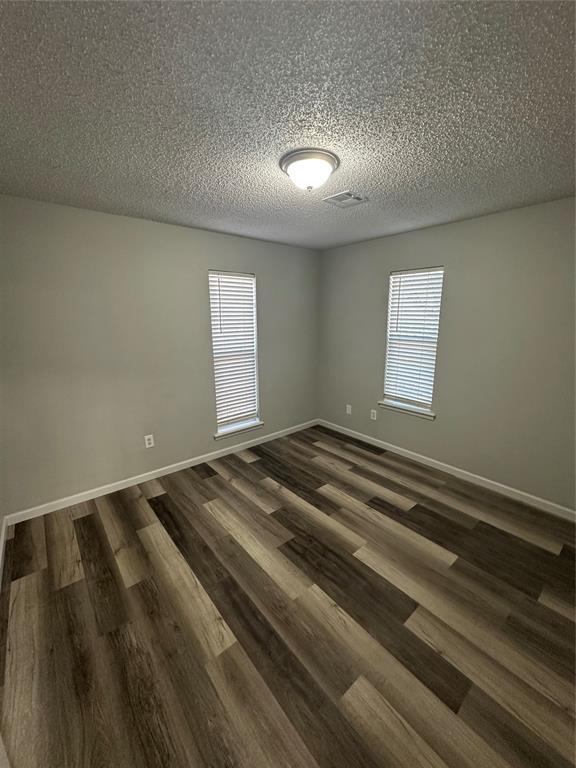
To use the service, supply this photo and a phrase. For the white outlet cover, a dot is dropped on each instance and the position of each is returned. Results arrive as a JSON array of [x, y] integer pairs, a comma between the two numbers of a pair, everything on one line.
[[349, 410], [149, 441], [373, 415]]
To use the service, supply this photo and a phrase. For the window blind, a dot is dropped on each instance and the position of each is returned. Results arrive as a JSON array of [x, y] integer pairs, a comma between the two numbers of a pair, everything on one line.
[[234, 348], [412, 336]]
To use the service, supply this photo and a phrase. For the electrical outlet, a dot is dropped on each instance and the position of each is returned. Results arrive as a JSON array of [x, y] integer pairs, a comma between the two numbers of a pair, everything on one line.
[[149, 441], [349, 410], [373, 414]]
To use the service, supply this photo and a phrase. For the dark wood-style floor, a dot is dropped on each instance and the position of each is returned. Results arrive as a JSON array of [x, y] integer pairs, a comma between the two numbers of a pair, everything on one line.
[[313, 602]]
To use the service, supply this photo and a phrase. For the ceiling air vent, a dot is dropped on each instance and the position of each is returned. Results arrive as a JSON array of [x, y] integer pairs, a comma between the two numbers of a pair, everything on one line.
[[345, 199]]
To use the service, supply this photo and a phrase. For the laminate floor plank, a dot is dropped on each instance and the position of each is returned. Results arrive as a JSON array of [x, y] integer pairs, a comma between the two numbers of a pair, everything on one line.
[[441, 598], [203, 471], [310, 602], [192, 546], [299, 631], [521, 527], [196, 514], [555, 527], [429, 472], [122, 540], [392, 740], [188, 491], [324, 730], [250, 514], [312, 434], [547, 531], [366, 462], [502, 596], [379, 529], [245, 480], [329, 461], [319, 455], [270, 597], [156, 727], [516, 524], [545, 635], [374, 604], [437, 725], [374, 595], [63, 553], [208, 729], [293, 478], [181, 587], [193, 482], [26, 702], [29, 547], [5, 602], [326, 505], [292, 457], [279, 568], [64, 723], [303, 448], [348, 440], [136, 508], [559, 573], [519, 745], [314, 519], [310, 495], [85, 508], [409, 473], [535, 711], [104, 582], [247, 456], [87, 725], [558, 601], [357, 478], [152, 488], [269, 738], [231, 467], [490, 550]]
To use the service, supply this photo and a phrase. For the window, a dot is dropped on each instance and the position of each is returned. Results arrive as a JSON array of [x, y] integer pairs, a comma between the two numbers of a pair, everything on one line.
[[413, 318], [234, 347]]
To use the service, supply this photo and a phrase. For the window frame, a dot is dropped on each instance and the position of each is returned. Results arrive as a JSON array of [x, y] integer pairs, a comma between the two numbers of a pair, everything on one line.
[[404, 404], [245, 423]]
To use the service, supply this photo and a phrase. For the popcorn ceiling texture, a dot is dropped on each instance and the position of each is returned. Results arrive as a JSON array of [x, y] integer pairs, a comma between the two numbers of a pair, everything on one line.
[[179, 112]]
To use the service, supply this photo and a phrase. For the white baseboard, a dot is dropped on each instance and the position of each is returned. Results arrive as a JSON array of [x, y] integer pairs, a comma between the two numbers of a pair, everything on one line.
[[484, 482], [94, 493], [512, 493]]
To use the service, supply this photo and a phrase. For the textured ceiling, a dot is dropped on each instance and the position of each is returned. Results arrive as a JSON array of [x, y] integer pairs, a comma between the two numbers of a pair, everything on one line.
[[179, 112]]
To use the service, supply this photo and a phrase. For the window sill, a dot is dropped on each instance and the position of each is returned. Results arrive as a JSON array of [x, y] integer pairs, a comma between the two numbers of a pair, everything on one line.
[[414, 410], [240, 426]]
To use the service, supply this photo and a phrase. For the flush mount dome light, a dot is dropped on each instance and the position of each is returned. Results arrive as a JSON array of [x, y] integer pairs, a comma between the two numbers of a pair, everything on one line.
[[309, 168]]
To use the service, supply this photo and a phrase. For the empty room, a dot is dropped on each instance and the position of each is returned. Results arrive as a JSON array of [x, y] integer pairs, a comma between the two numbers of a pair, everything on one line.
[[287, 381]]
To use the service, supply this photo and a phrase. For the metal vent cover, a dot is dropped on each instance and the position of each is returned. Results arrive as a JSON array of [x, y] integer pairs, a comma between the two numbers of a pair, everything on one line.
[[345, 199]]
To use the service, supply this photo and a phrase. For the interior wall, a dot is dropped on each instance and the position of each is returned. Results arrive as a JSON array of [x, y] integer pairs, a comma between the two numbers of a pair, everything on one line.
[[504, 395], [106, 338]]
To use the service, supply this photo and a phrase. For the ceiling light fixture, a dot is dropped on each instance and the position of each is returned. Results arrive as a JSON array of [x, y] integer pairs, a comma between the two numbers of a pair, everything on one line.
[[309, 168]]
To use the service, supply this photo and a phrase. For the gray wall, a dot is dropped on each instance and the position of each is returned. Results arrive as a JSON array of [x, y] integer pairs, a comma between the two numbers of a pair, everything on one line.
[[106, 337], [504, 393]]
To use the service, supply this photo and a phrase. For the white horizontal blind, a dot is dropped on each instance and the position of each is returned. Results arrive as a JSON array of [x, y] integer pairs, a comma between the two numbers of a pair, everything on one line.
[[413, 319], [234, 347]]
